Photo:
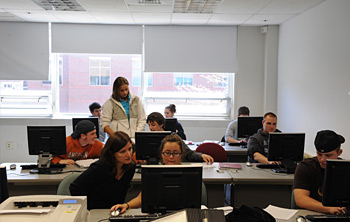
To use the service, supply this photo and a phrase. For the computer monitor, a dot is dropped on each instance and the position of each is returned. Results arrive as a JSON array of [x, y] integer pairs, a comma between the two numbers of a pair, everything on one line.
[[287, 148], [336, 185], [170, 124], [248, 125], [94, 120], [147, 145], [168, 188], [4, 192], [46, 141]]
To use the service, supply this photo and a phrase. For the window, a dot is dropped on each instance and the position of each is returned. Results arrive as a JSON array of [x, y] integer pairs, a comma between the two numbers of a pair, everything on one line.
[[100, 71], [183, 79], [194, 94], [77, 80]]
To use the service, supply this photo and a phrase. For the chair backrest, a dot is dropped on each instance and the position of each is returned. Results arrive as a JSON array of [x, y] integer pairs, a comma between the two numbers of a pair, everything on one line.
[[214, 150], [63, 188], [293, 205]]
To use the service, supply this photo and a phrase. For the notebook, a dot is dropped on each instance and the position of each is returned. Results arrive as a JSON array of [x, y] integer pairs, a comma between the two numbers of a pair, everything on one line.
[[230, 165]]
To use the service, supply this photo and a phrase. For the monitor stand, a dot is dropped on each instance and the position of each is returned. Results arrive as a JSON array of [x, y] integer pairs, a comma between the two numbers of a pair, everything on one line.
[[288, 166], [44, 162]]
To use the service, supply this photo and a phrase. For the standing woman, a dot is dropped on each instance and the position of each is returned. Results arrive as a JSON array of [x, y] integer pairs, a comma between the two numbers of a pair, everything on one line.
[[169, 112], [123, 111], [105, 182]]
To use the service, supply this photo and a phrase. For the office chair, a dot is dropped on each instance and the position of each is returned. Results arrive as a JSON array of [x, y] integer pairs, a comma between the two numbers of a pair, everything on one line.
[[293, 204], [63, 187], [214, 150], [4, 191]]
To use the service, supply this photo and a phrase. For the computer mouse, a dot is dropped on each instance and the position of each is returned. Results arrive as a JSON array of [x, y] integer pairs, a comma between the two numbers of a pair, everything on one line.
[[12, 166], [249, 164], [115, 213], [300, 219]]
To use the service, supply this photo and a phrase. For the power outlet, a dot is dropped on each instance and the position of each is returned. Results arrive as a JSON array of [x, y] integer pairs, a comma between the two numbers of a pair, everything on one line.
[[10, 145]]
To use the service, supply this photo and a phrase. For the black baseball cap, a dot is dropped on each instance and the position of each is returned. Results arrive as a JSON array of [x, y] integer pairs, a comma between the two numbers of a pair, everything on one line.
[[83, 127], [327, 141]]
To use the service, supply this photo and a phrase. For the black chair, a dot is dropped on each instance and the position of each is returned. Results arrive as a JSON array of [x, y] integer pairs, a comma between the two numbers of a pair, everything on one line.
[[4, 191]]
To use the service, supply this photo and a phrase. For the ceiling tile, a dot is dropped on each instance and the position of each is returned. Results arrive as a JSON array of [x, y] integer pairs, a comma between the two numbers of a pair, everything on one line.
[[19, 4], [270, 19], [104, 5], [289, 6], [241, 6], [190, 19], [151, 18], [151, 8], [35, 15], [74, 17], [9, 17], [228, 19], [113, 17]]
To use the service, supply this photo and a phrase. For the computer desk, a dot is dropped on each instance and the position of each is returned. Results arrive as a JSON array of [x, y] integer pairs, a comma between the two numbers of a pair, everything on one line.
[[100, 214], [21, 182], [214, 181], [235, 154], [253, 186]]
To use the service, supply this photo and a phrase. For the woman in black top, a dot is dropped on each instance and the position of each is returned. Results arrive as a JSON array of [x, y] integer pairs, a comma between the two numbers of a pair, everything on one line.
[[105, 182], [169, 112]]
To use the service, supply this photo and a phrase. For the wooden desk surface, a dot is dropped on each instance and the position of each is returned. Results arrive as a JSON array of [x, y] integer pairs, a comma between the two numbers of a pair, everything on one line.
[[254, 175]]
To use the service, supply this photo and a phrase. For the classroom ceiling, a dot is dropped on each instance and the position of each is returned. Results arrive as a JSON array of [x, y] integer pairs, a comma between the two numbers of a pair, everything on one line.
[[156, 12]]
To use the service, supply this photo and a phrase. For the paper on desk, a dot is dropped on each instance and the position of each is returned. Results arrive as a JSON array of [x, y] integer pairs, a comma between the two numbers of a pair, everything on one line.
[[280, 213]]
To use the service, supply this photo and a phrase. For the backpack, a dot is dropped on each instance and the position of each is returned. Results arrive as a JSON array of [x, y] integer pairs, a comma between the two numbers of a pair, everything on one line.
[[249, 214]]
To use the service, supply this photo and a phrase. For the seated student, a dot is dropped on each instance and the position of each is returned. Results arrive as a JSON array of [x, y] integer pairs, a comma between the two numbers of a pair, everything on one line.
[[171, 152], [309, 175], [169, 112], [95, 110], [156, 121], [258, 143], [105, 182], [231, 131], [81, 144]]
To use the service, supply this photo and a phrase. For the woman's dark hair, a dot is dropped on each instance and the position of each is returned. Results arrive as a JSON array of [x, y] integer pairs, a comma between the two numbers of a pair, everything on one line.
[[173, 138], [156, 117], [118, 82], [171, 107], [115, 142]]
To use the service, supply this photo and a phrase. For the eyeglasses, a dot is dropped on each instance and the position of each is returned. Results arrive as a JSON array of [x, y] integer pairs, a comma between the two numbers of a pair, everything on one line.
[[167, 154]]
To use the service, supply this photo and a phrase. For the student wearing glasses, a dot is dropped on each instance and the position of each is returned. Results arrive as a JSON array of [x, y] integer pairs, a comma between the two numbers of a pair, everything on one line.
[[156, 121], [171, 151]]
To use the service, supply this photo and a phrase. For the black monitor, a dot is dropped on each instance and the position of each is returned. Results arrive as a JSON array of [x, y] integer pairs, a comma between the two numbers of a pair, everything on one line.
[[336, 185], [4, 192], [94, 120], [287, 148], [248, 125], [168, 188], [147, 145], [170, 124], [46, 141]]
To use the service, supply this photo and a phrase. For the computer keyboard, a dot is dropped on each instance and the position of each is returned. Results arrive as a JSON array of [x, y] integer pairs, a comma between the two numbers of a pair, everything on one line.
[[134, 218], [328, 217], [35, 166], [267, 166]]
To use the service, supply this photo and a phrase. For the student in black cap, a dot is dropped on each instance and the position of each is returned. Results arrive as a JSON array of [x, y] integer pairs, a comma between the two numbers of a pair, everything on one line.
[[81, 144], [309, 175]]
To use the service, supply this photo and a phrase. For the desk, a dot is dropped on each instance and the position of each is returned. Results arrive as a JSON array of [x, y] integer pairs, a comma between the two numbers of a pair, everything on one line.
[[234, 153], [21, 182], [253, 186], [213, 181], [99, 214]]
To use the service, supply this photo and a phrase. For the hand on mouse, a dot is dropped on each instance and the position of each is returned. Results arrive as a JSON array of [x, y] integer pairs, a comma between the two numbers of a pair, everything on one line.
[[115, 212], [121, 207]]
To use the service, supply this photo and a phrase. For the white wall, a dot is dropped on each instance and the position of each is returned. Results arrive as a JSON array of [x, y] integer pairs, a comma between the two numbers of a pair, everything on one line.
[[249, 91], [314, 72]]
